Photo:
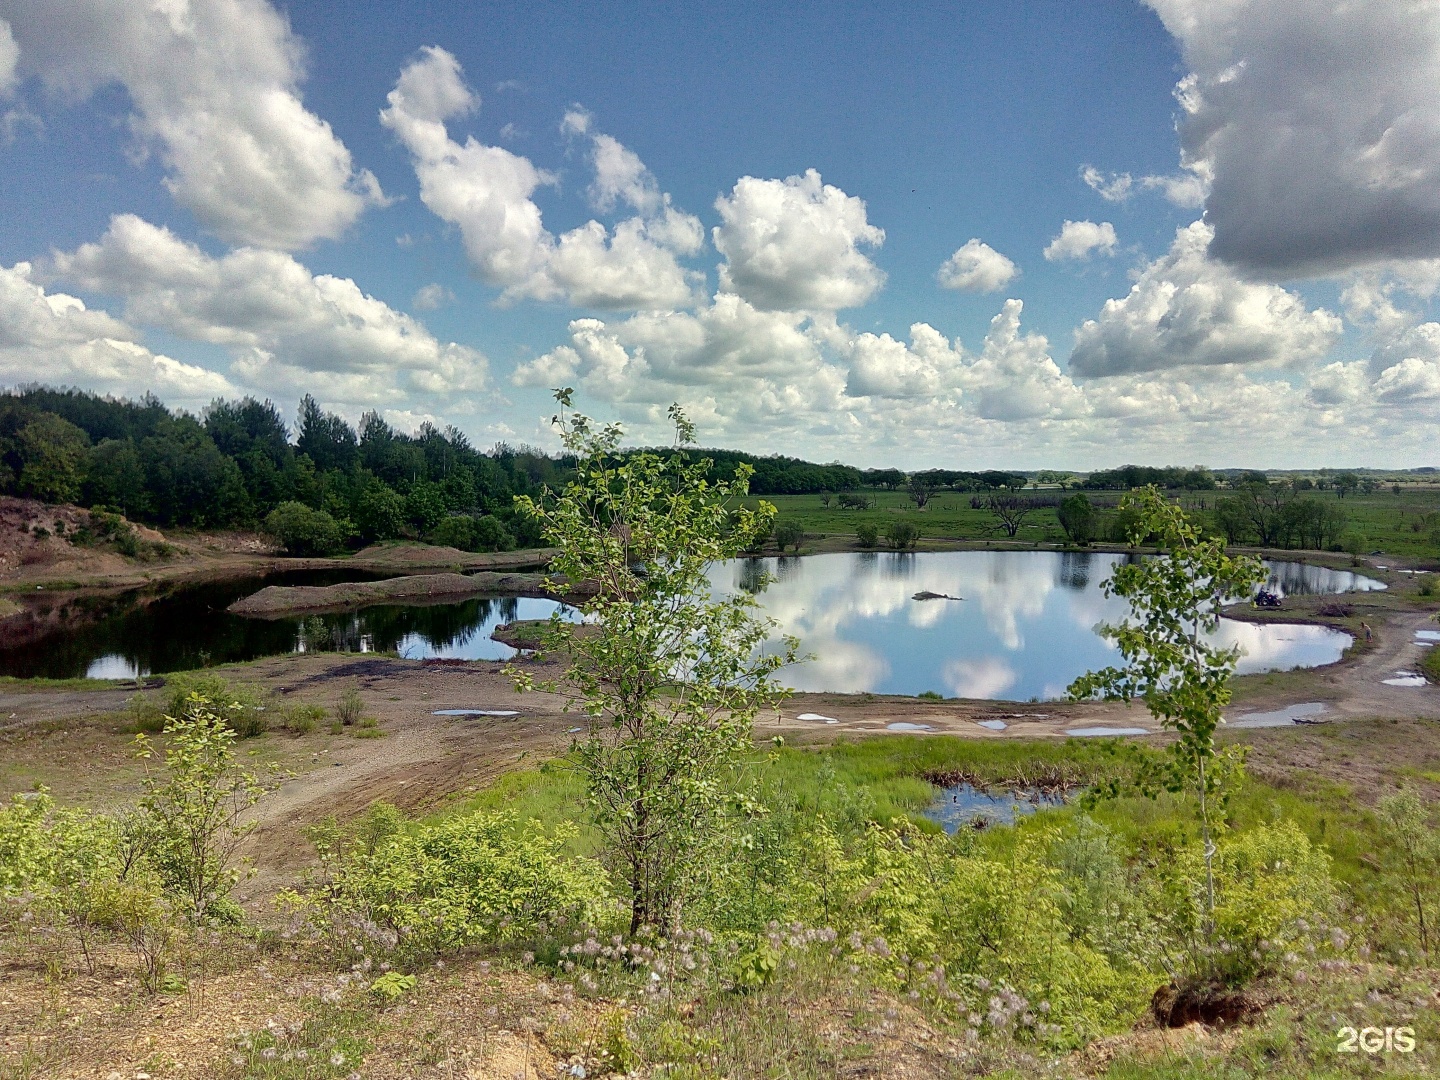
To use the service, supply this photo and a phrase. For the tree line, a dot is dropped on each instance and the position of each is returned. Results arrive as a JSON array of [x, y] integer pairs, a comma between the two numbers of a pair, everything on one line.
[[236, 465]]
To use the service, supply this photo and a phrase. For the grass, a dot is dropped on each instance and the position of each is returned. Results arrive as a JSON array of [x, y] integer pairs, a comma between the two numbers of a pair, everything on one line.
[[24, 686], [1430, 665], [1383, 521]]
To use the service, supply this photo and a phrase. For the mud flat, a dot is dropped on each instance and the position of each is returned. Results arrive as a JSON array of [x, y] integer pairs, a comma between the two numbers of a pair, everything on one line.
[[275, 601]]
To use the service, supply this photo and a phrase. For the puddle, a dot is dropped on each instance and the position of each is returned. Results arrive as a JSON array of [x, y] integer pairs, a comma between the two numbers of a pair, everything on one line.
[[573, 730], [817, 716], [967, 806], [1406, 678], [905, 725], [1427, 635], [475, 712], [993, 725], [1101, 732], [1279, 717]]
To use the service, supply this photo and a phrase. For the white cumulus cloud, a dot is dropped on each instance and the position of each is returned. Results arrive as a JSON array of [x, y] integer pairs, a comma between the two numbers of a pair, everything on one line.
[[271, 313], [215, 86], [1318, 125], [486, 191], [1186, 189], [55, 339], [793, 244], [976, 267], [1081, 239], [1188, 310]]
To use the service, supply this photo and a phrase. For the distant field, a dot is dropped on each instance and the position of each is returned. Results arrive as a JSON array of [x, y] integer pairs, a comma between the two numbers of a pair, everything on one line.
[[1384, 521]]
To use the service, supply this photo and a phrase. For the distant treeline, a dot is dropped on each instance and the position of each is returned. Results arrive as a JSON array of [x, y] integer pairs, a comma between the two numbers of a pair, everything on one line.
[[1132, 476], [236, 465]]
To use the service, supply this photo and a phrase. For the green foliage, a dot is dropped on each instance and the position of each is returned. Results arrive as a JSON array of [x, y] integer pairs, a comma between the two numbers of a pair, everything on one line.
[[902, 535], [1078, 519], [192, 816], [302, 718], [52, 454], [350, 708], [788, 534], [1170, 663], [469, 880], [392, 986], [669, 679], [379, 513], [484, 533], [238, 706], [303, 531], [1414, 864], [867, 534]]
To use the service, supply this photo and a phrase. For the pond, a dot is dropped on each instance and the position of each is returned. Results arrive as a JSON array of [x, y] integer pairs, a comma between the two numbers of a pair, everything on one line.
[[965, 806], [141, 633], [1023, 629], [1017, 625]]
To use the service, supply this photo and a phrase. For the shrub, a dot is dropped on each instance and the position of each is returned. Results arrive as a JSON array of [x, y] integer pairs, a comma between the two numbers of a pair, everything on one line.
[[473, 879], [303, 531], [302, 719], [349, 708], [239, 707], [191, 818], [1273, 894], [485, 533], [867, 535], [902, 535], [789, 534]]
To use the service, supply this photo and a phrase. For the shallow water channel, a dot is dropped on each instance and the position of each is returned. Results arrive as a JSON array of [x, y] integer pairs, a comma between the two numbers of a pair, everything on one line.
[[1023, 629]]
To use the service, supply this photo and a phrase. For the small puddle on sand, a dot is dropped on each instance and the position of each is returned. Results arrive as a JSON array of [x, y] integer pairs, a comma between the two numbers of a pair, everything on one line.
[[1406, 678], [1427, 635], [1290, 714], [964, 805], [993, 725], [1104, 732], [817, 716], [905, 725]]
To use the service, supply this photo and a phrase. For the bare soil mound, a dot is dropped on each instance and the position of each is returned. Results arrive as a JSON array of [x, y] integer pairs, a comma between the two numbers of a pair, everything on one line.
[[408, 556], [35, 541], [278, 600]]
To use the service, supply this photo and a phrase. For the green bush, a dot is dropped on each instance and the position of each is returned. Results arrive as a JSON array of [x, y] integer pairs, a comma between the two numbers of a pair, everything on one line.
[[472, 879], [302, 719], [866, 534], [303, 531], [902, 535], [484, 533], [239, 707], [789, 534], [350, 707]]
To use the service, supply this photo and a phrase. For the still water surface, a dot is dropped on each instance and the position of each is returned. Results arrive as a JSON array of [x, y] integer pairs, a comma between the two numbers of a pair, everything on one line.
[[1024, 628]]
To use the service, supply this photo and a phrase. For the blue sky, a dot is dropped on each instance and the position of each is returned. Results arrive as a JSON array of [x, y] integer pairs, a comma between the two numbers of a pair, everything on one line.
[[441, 210]]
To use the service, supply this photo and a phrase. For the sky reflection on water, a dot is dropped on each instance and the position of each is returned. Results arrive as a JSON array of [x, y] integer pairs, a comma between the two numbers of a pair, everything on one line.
[[1024, 629]]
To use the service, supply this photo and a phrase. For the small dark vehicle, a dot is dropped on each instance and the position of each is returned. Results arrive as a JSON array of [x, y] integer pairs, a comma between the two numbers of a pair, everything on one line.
[[1266, 598]]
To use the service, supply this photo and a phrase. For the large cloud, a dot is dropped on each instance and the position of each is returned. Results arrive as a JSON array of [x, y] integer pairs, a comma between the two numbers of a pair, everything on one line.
[[486, 191], [1187, 310], [976, 267], [214, 84], [1318, 124], [793, 244], [276, 318], [54, 338]]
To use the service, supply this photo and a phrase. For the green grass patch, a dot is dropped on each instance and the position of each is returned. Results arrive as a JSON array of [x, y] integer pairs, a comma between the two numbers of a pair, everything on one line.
[[1430, 664], [23, 686]]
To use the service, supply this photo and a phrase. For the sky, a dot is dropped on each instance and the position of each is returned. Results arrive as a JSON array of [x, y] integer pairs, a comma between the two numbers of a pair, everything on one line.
[[1015, 234]]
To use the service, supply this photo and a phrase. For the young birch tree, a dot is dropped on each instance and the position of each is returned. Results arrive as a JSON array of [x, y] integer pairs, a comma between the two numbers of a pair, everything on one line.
[[1170, 661], [670, 678]]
